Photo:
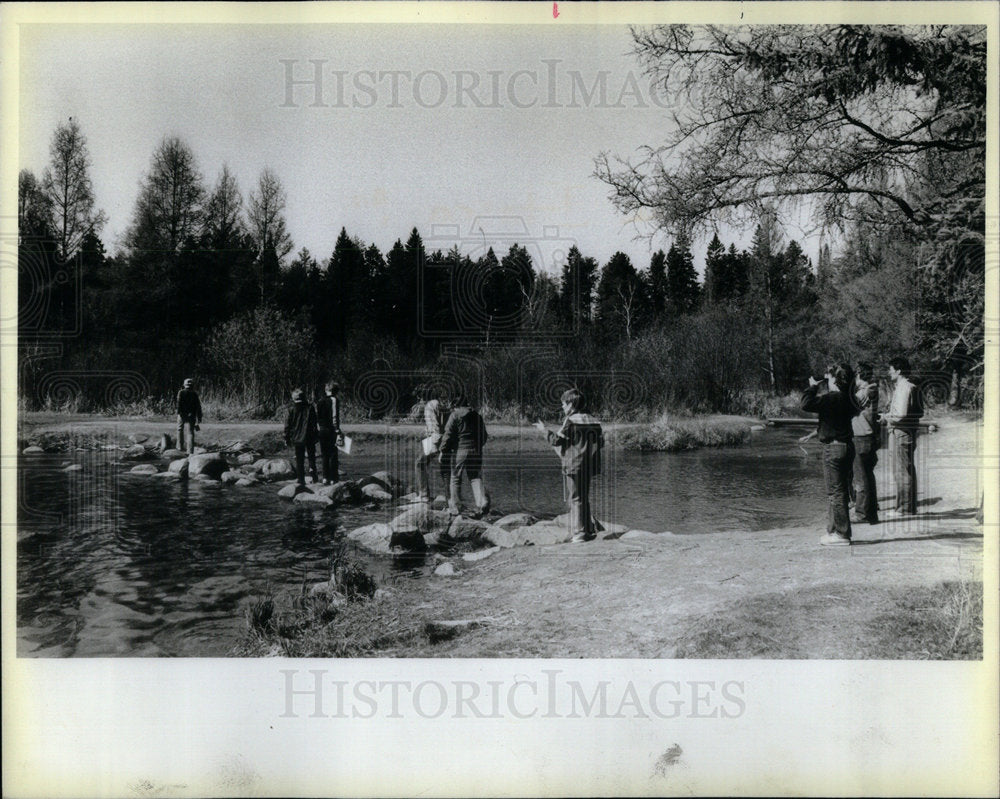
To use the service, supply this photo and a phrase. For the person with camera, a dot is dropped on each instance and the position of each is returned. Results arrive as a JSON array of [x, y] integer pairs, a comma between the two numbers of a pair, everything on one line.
[[836, 408]]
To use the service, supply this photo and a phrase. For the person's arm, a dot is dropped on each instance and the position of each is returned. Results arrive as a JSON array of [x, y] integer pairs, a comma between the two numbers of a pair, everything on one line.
[[197, 406], [483, 435], [336, 415], [810, 402], [288, 426], [449, 435], [178, 402]]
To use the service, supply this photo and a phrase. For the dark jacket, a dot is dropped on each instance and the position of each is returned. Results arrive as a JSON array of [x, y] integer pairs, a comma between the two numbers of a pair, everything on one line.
[[300, 426], [328, 415], [836, 409], [464, 431], [579, 442], [188, 404]]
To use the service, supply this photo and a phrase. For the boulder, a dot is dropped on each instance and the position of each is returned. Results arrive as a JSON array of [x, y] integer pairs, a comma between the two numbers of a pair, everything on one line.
[[144, 468], [199, 451], [445, 570], [541, 534], [236, 446], [166, 442], [245, 459], [167, 475], [480, 554], [420, 518], [336, 493], [135, 452], [211, 464], [289, 491], [276, 469], [411, 541], [307, 497], [207, 479], [375, 491], [179, 467], [243, 482], [231, 477], [513, 520], [138, 438], [76, 467], [439, 503], [373, 537], [462, 529], [173, 454]]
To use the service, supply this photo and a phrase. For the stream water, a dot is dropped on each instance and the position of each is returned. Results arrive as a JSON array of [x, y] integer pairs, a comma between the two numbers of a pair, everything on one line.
[[110, 563]]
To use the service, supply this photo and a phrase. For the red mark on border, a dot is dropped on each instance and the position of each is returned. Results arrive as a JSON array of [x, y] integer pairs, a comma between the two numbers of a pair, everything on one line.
[[555, 11]]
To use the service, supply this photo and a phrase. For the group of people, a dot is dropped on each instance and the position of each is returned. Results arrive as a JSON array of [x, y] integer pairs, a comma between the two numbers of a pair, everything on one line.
[[457, 441], [850, 429]]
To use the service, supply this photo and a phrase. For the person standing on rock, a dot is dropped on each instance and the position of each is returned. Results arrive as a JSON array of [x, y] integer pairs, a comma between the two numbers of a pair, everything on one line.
[[836, 408], [330, 436], [579, 442], [867, 439], [434, 419], [905, 410], [462, 442], [301, 432], [188, 414]]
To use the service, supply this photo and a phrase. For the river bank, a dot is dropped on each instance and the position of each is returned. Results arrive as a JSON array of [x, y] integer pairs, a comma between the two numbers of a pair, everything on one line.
[[908, 588]]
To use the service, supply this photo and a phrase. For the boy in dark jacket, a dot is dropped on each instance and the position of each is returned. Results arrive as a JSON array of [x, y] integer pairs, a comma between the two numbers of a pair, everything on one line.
[[301, 432], [579, 443], [328, 418], [188, 414], [462, 441]]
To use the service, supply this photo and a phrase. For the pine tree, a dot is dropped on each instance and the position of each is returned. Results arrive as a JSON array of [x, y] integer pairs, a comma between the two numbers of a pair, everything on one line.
[[682, 280], [658, 284]]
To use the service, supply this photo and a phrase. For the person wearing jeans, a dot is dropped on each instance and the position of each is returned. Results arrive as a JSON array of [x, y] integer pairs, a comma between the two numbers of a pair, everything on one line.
[[836, 409], [867, 439], [328, 419], [188, 414], [434, 430], [905, 410]]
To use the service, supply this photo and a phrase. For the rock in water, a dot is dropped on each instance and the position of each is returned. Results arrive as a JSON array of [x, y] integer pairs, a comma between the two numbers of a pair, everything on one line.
[[373, 537], [211, 464], [76, 467], [462, 529], [138, 438], [290, 490], [135, 452], [166, 442], [445, 570], [374, 491], [245, 459], [143, 468], [513, 520], [173, 454], [32, 451], [167, 475], [200, 451], [231, 477], [179, 467], [313, 499], [243, 482], [277, 469], [422, 519]]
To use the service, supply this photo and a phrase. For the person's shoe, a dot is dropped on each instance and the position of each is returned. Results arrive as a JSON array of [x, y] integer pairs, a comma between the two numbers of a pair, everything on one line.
[[579, 538], [834, 540], [858, 519], [326, 481], [895, 513]]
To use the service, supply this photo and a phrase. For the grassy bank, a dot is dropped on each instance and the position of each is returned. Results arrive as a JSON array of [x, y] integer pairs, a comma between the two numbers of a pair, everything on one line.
[[940, 622]]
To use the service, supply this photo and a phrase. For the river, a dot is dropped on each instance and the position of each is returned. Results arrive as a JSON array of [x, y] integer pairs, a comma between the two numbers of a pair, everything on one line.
[[113, 564]]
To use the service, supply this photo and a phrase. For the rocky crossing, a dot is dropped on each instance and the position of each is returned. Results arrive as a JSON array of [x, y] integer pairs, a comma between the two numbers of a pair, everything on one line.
[[417, 526]]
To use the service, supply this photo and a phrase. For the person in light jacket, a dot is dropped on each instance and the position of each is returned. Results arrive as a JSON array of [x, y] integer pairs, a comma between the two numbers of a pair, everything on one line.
[[867, 440], [434, 419], [905, 410], [578, 442]]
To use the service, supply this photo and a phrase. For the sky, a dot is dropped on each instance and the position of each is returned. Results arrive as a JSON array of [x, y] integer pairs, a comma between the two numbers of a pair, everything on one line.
[[477, 134]]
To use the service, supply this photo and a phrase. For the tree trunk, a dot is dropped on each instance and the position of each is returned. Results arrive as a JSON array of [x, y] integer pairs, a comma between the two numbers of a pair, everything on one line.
[[955, 393]]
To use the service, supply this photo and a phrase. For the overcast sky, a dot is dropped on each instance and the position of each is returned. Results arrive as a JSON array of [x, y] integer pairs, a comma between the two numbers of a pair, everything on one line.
[[446, 128]]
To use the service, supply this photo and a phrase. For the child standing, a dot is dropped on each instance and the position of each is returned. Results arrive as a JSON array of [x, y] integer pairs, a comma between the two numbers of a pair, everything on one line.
[[188, 414], [328, 418], [462, 442], [579, 443]]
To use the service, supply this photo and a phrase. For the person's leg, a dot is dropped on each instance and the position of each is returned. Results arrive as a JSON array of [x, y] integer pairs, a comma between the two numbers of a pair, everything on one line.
[[911, 495], [334, 462], [311, 452], [455, 484], [423, 482], [577, 524], [444, 466], [191, 435], [829, 481], [180, 433], [327, 445], [300, 464], [842, 516], [865, 458], [586, 517], [904, 445]]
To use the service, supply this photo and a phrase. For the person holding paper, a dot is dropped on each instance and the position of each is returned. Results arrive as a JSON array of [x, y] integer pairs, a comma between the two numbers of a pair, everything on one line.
[[463, 439], [330, 436], [579, 442], [431, 443]]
